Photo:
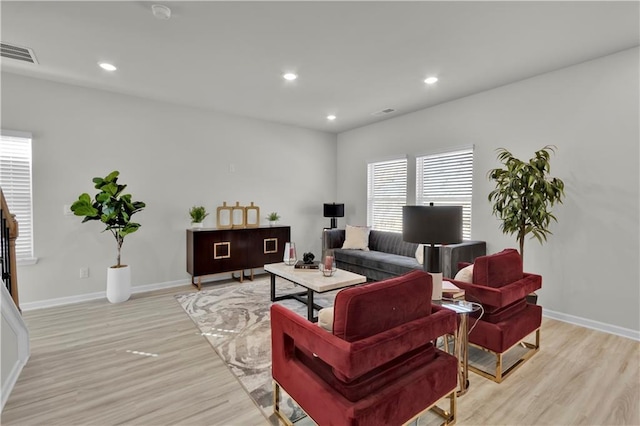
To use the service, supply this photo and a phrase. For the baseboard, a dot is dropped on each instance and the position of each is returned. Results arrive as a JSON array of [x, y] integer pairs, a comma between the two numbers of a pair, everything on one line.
[[594, 325], [49, 303]]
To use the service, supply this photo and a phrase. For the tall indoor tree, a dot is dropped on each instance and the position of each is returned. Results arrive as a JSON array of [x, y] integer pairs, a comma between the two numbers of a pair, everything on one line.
[[111, 207], [114, 209], [524, 195]]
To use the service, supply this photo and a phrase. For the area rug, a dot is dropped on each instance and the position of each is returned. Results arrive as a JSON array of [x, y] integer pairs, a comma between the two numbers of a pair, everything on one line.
[[234, 318]]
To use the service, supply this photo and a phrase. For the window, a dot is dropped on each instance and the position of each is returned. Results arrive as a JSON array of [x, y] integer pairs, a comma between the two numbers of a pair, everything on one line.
[[446, 179], [15, 180], [386, 194]]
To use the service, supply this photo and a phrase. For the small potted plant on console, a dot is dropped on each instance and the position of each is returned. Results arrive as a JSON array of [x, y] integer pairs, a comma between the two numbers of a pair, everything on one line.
[[197, 213], [273, 218]]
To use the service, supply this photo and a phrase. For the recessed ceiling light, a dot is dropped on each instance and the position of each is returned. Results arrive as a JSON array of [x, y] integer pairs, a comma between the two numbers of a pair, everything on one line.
[[431, 80], [290, 76], [107, 66], [331, 117]]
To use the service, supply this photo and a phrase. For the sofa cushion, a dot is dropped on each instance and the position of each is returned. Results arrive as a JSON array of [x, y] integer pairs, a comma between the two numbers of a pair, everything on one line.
[[363, 311], [390, 264], [356, 238], [392, 243], [499, 269]]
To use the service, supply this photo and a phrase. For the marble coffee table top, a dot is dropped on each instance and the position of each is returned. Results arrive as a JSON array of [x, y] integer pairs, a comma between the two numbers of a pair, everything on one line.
[[313, 279]]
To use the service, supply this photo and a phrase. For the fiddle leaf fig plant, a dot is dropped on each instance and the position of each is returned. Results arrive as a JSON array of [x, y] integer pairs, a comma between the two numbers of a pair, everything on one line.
[[111, 207], [524, 194]]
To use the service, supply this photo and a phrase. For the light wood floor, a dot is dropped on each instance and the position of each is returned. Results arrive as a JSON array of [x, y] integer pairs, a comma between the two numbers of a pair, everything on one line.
[[82, 371]]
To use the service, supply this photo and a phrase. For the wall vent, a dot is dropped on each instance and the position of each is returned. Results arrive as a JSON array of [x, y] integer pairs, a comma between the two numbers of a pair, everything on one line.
[[384, 112], [12, 51]]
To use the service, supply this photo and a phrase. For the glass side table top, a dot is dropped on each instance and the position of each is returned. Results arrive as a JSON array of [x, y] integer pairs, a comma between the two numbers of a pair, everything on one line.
[[459, 305]]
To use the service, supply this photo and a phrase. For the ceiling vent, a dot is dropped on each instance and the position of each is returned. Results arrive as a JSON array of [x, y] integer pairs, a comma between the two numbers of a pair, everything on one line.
[[384, 112], [12, 51]]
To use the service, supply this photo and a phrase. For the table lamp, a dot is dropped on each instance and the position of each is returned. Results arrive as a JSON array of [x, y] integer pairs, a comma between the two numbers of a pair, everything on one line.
[[432, 226], [333, 211]]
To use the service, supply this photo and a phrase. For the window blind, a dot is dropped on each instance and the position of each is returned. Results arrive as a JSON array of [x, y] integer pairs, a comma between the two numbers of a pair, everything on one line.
[[15, 180], [446, 179], [386, 194]]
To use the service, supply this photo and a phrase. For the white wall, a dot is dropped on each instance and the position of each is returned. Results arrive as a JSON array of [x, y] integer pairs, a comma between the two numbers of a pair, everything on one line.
[[591, 113], [172, 158]]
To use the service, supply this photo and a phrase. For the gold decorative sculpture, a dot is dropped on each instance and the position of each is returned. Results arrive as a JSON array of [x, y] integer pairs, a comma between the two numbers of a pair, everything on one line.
[[252, 216], [224, 216], [237, 216]]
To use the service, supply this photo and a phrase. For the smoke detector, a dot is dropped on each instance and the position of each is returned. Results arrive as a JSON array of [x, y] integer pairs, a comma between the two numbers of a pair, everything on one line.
[[161, 12]]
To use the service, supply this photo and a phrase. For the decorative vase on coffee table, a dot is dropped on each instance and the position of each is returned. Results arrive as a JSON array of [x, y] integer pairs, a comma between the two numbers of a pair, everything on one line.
[[290, 257], [328, 266]]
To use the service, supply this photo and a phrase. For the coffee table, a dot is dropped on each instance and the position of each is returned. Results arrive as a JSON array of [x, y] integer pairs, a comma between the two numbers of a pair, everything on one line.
[[313, 281]]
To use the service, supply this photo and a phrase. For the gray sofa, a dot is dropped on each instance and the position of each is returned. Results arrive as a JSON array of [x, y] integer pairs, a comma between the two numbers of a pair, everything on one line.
[[390, 256]]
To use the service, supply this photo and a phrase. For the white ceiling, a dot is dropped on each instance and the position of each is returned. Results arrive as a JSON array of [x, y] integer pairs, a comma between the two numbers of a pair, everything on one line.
[[353, 58]]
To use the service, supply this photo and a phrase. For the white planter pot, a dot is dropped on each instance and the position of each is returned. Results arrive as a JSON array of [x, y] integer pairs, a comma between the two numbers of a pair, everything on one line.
[[118, 284], [197, 225]]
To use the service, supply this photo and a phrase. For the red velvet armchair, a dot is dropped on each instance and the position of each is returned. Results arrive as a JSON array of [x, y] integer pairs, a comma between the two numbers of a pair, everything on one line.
[[379, 365], [501, 286]]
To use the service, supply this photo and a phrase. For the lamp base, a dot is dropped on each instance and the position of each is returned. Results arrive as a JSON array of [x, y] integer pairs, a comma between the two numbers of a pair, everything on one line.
[[436, 279], [334, 222], [432, 266]]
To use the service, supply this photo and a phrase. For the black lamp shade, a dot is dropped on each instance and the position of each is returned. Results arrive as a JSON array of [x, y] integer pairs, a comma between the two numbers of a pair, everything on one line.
[[432, 224], [333, 210]]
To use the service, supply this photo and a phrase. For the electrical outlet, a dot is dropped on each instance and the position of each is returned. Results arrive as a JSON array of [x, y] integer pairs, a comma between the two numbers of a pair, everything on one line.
[[232, 168], [84, 272]]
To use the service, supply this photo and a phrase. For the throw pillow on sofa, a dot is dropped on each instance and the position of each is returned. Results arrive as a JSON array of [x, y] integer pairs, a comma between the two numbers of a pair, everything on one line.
[[356, 238], [420, 254], [325, 319], [465, 274]]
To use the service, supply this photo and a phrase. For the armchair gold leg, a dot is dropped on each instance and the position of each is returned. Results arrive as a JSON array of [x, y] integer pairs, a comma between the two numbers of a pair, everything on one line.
[[276, 405], [500, 374], [448, 416]]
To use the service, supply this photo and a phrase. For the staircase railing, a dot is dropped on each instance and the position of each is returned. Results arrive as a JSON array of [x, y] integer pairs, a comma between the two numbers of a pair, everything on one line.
[[8, 235]]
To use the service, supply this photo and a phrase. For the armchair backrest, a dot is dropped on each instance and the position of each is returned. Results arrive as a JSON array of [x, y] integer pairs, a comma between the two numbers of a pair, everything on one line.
[[498, 269], [363, 311]]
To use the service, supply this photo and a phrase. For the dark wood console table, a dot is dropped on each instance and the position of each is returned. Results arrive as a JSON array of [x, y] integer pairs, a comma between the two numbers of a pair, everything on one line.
[[216, 251]]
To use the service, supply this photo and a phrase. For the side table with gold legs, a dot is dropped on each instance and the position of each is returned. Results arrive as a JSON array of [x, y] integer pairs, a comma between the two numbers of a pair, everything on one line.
[[461, 338]]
